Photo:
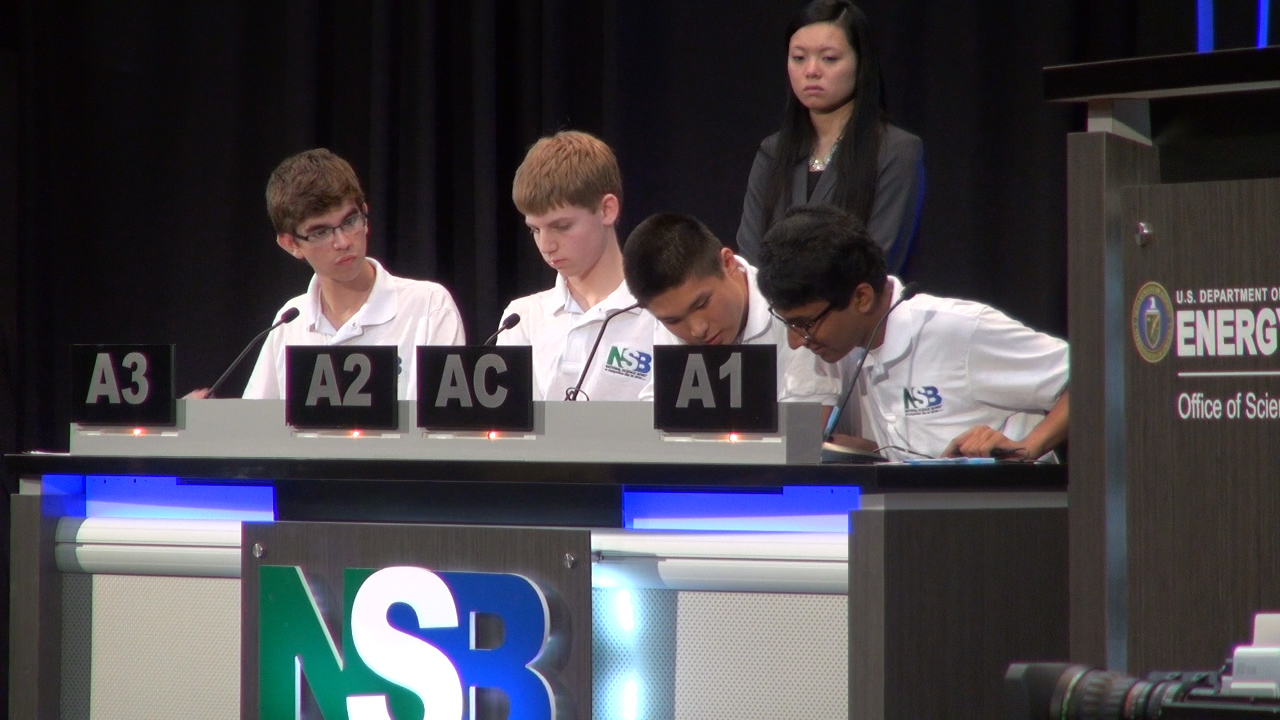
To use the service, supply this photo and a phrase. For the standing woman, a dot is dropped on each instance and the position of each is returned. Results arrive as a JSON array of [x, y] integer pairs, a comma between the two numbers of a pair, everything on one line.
[[835, 145]]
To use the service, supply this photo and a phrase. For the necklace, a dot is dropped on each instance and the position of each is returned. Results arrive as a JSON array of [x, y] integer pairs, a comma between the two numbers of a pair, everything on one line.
[[817, 164]]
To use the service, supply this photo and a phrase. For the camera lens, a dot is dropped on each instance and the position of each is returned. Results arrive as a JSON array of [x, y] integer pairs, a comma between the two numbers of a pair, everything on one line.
[[1058, 691], [1102, 695]]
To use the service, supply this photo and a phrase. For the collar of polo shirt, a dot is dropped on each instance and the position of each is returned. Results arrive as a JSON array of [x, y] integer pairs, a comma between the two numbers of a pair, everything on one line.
[[378, 308]]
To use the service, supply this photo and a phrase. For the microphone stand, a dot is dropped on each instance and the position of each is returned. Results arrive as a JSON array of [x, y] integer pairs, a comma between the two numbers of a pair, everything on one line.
[[572, 393], [831, 452], [287, 316], [509, 322]]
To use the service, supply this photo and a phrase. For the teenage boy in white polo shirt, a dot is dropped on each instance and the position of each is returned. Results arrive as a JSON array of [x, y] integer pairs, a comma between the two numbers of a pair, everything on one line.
[[569, 189], [701, 293], [943, 377], [320, 216]]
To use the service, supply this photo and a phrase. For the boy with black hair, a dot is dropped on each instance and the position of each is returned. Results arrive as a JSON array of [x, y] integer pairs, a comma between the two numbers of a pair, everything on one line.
[[942, 377], [701, 293]]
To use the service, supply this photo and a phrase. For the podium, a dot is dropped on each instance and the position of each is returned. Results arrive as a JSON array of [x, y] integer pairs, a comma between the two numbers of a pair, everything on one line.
[[946, 589], [1173, 214], [81, 579]]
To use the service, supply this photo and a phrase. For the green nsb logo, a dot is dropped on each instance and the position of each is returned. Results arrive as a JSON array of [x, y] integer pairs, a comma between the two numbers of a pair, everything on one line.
[[629, 361], [415, 644]]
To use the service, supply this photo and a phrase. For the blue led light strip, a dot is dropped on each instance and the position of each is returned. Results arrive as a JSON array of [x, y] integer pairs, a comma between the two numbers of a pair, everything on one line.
[[1204, 25], [167, 498], [794, 509], [1264, 22]]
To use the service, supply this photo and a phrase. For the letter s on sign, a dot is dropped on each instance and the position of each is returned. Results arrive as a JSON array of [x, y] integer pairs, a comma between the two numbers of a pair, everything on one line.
[[404, 660]]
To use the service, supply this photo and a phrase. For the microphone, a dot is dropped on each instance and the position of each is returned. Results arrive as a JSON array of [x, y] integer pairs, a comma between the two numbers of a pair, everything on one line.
[[287, 316], [508, 322], [572, 393], [908, 291]]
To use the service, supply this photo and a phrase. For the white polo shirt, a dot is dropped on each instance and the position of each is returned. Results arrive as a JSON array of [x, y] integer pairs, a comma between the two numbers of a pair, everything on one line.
[[562, 333], [802, 376], [401, 312], [948, 365]]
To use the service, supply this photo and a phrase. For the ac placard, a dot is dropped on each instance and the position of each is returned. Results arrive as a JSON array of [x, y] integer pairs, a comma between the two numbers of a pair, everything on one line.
[[715, 388], [123, 385], [341, 387], [475, 388]]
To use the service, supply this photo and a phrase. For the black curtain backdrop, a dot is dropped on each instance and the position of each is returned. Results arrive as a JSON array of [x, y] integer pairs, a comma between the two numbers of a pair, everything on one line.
[[148, 129], [141, 134], [701, 86]]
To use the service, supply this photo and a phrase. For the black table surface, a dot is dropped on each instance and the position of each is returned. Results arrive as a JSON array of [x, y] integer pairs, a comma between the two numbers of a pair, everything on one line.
[[224, 470], [516, 493]]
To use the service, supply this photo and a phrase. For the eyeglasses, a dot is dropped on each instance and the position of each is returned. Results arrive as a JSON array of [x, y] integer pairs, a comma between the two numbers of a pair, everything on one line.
[[356, 222], [804, 330]]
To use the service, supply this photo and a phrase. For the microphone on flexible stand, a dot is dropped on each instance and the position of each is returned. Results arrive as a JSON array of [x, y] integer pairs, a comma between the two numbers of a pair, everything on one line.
[[831, 452], [508, 322], [573, 392], [287, 316]]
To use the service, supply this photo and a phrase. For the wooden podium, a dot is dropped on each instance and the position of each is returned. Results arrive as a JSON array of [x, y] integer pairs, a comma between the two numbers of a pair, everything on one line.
[[1174, 295]]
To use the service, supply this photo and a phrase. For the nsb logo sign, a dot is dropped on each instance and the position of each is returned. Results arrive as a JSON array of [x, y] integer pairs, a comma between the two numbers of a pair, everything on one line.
[[630, 363], [415, 644], [923, 400]]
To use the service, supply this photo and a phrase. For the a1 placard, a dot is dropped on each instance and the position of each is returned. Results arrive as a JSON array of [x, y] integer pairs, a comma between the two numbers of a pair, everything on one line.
[[475, 388], [122, 385], [347, 387], [715, 388]]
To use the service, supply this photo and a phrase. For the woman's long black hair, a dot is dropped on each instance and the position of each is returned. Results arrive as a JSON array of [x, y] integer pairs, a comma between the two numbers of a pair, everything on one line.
[[856, 159]]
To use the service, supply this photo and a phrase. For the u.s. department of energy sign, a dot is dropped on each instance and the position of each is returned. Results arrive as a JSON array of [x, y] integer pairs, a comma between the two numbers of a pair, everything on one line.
[[1213, 333]]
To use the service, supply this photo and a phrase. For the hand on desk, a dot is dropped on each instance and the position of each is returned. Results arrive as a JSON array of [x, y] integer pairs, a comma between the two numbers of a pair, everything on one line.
[[1045, 436], [198, 394], [982, 441]]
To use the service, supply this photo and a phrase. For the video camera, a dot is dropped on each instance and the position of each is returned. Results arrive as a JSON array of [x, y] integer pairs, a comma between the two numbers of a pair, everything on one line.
[[1247, 686]]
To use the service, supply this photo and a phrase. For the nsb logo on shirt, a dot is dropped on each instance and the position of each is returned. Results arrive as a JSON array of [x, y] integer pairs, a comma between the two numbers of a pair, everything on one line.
[[923, 400], [629, 363], [414, 643]]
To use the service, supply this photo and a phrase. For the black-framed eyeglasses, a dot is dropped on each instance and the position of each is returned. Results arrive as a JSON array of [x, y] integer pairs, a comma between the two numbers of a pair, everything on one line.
[[353, 223], [804, 330]]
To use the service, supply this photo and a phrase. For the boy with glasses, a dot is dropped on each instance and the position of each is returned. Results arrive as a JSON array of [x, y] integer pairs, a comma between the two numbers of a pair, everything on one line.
[[318, 209], [701, 293], [942, 377], [569, 189]]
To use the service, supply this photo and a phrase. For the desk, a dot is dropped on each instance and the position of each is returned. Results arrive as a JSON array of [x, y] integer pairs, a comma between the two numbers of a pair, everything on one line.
[[793, 657]]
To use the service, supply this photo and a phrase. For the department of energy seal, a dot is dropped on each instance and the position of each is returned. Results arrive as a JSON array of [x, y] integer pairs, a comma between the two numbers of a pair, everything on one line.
[[1152, 322]]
